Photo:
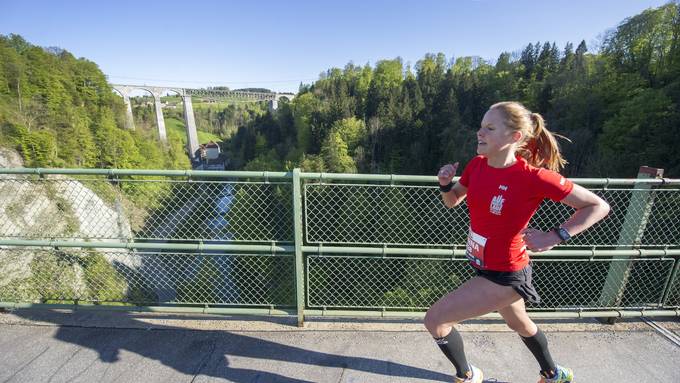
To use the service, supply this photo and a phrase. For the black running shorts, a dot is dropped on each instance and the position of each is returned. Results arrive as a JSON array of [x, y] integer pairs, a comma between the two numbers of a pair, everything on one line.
[[520, 280]]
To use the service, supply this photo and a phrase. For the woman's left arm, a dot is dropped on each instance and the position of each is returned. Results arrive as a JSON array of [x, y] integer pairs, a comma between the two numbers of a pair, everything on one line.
[[590, 209]]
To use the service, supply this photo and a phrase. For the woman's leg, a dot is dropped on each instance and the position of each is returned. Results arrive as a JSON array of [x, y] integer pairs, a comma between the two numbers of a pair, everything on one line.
[[516, 317], [473, 298], [477, 296]]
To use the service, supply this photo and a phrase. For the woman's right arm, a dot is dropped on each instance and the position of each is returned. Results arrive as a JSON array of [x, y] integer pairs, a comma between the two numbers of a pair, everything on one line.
[[458, 192]]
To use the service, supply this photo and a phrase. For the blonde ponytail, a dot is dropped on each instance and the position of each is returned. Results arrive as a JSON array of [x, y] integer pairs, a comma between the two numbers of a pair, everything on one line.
[[544, 151]]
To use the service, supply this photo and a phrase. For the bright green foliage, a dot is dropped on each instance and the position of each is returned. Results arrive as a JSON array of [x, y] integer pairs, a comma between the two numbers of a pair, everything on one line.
[[352, 131], [335, 155]]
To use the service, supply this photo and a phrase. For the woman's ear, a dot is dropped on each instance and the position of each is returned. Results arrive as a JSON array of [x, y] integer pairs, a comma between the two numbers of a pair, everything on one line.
[[517, 135]]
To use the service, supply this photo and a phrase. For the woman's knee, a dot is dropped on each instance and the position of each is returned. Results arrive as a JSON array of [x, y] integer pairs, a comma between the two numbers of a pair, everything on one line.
[[435, 325], [429, 321], [524, 328]]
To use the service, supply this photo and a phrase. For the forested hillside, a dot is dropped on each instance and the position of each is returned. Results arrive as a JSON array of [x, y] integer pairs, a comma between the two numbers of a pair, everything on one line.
[[60, 111], [619, 106]]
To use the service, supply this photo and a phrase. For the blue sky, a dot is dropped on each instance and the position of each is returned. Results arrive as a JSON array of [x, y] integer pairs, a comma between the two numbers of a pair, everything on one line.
[[278, 44]]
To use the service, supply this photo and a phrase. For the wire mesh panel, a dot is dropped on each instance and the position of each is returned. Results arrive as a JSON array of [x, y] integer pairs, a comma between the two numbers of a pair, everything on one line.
[[38, 275], [663, 224], [376, 282], [583, 283], [252, 212], [157, 209], [416, 283], [381, 214]]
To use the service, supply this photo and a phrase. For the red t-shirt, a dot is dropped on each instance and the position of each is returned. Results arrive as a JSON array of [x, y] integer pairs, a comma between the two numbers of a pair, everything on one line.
[[501, 203]]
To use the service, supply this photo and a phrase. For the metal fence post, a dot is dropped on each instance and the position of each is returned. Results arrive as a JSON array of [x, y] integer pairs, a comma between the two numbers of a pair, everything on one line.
[[671, 283], [634, 223], [299, 261]]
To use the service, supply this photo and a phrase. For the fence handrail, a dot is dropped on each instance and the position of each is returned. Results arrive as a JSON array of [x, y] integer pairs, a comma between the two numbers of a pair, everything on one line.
[[200, 246], [322, 249], [310, 176], [149, 172]]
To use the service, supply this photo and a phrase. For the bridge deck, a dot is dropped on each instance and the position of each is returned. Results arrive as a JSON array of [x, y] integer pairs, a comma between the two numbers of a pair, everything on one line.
[[42, 345]]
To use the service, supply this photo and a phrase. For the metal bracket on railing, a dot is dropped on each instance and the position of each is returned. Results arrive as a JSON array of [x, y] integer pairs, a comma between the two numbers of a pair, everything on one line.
[[189, 176], [320, 251], [266, 177], [606, 183], [384, 251], [272, 248], [453, 251], [392, 180], [113, 177], [200, 247]]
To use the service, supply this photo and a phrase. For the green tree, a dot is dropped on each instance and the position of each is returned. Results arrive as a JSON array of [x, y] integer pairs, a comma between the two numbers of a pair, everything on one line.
[[335, 155]]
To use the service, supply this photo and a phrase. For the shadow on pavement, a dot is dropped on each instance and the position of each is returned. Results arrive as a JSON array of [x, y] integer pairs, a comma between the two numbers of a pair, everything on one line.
[[208, 352]]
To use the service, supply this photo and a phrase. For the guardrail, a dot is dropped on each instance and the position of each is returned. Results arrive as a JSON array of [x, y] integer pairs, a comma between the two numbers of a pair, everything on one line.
[[294, 243]]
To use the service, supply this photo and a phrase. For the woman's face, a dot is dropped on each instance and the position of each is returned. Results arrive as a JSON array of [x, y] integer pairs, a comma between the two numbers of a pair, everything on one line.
[[493, 136]]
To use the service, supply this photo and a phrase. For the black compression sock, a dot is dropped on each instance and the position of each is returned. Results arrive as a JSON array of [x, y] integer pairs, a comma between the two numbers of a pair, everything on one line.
[[538, 345], [452, 346]]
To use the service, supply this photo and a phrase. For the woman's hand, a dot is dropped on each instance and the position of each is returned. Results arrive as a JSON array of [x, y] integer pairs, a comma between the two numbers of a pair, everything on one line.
[[446, 173], [538, 241]]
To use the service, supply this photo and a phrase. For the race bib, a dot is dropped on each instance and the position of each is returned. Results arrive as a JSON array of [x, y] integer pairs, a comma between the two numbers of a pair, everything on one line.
[[475, 249]]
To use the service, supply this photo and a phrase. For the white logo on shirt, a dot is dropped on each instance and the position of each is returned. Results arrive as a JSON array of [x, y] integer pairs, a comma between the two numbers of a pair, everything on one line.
[[562, 181], [496, 205], [503, 187]]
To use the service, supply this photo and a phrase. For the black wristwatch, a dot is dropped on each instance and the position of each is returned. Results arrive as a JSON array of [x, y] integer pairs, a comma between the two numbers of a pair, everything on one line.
[[562, 233]]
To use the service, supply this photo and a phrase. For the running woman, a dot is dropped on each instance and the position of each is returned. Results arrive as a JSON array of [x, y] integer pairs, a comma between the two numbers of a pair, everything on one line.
[[516, 169]]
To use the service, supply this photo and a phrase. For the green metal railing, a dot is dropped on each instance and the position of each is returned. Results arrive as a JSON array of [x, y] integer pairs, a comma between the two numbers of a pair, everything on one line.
[[294, 243]]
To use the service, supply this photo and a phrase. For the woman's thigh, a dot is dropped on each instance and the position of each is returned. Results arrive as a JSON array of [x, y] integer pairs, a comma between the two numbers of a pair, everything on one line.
[[477, 296]]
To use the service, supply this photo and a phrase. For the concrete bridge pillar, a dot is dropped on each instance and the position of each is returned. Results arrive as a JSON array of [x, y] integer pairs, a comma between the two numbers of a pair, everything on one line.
[[190, 122], [129, 120], [124, 91], [273, 105], [159, 118]]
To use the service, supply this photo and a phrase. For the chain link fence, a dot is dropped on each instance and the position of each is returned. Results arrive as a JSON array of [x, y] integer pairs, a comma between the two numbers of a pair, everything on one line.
[[145, 209], [129, 277], [413, 283], [356, 213]]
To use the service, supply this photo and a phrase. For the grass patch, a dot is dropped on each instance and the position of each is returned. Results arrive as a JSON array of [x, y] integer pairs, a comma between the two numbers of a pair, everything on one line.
[[176, 128]]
